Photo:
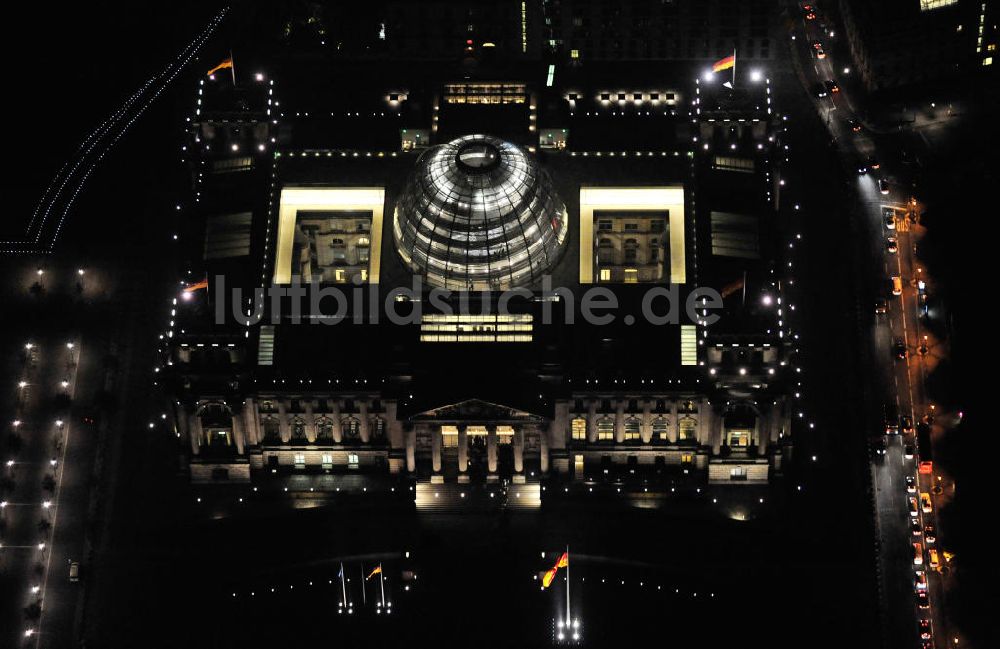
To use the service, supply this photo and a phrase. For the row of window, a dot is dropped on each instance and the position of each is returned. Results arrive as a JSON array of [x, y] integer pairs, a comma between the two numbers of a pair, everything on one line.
[[687, 429], [350, 426], [632, 405]]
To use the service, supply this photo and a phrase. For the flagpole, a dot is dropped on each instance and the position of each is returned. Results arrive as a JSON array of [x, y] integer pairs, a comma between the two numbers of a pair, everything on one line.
[[343, 585], [569, 622], [734, 68], [381, 581], [232, 68]]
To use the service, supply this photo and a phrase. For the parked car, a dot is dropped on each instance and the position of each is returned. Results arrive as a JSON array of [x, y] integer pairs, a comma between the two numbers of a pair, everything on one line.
[[74, 571], [883, 186]]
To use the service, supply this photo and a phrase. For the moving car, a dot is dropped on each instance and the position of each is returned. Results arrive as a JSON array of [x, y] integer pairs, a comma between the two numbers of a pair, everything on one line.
[[819, 52], [908, 451], [914, 510], [932, 556], [881, 306], [930, 534], [925, 503], [920, 580], [820, 91], [897, 285], [873, 163], [906, 424], [892, 245], [925, 629], [915, 527], [918, 554], [923, 601], [831, 85], [899, 350], [911, 485], [883, 186], [854, 124], [74, 571], [889, 218]]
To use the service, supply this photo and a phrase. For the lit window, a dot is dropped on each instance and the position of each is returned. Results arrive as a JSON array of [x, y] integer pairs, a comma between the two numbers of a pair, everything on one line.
[[632, 429], [605, 429], [300, 460], [605, 275], [579, 429], [686, 429], [352, 460]]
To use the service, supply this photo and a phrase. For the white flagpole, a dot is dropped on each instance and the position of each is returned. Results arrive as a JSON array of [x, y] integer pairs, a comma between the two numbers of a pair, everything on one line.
[[232, 68], [364, 594], [343, 584], [381, 581], [569, 621], [734, 67]]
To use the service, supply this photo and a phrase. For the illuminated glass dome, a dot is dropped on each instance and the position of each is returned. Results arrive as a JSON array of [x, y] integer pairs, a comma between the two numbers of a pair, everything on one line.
[[477, 214]]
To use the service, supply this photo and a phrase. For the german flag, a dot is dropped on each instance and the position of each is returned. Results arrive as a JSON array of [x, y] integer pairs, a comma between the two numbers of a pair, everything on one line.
[[378, 570], [725, 64], [227, 63], [550, 574]]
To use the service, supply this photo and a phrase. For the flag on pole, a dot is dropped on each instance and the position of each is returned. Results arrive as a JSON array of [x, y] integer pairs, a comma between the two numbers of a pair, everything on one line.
[[377, 571], [341, 573], [226, 63], [197, 286], [725, 64], [550, 574]]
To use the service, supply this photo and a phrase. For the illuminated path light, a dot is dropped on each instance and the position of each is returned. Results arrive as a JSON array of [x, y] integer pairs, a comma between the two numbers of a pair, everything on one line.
[[69, 181]]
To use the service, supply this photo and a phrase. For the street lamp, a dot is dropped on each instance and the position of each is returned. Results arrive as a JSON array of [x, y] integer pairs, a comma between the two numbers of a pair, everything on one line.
[[755, 75]]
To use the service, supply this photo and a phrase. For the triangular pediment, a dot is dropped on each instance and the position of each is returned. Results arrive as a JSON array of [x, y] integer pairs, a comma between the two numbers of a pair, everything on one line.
[[476, 410]]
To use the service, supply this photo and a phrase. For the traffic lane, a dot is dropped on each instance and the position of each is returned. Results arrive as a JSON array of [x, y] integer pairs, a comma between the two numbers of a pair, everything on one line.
[[63, 598], [896, 550]]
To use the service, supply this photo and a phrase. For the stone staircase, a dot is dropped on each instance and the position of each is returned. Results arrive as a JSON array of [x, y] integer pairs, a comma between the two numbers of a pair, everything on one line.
[[455, 498]]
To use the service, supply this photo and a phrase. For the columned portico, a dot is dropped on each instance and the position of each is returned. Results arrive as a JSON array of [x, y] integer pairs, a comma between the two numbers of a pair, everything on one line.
[[518, 454], [491, 452], [463, 454], [436, 455]]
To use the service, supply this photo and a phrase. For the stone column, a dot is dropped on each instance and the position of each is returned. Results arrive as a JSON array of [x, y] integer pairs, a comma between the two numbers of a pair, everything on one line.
[[238, 437], [411, 450], [543, 451], [338, 432], [436, 454], [592, 421], [674, 427], [620, 421], [251, 422], [760, 432], [491, 451], [717, 420], [284, 429], [310, 419], [646, 426], [463, 454], [519, 454], [365, 429], [195, 432]]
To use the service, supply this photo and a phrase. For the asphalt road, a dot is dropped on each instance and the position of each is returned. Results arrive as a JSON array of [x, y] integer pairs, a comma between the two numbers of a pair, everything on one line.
[[897, 383]]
